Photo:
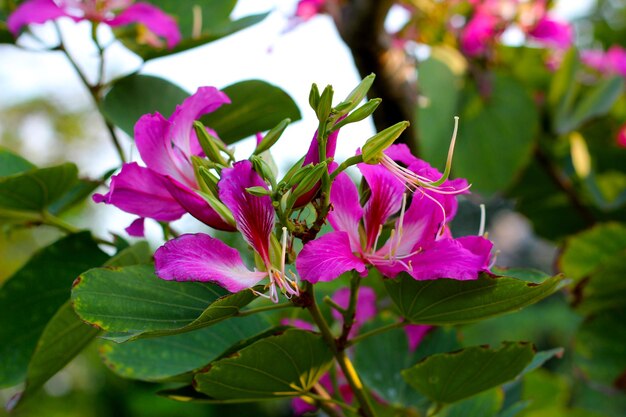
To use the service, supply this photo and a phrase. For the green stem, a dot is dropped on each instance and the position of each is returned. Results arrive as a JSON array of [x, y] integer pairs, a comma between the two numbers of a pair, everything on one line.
[[334, 305], [344, 362], [353, 160], [264, 308], [375, 332], [327, 400], [52, 220]]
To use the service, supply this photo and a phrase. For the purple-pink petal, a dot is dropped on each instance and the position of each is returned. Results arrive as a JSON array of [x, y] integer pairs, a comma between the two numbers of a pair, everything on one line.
[[478, 33], [205, 100], [136, 228], [327, 257], [33, 11], [347, 212], [365, 304], [415, 333], [199, 257], [254, 215], [143, 192], [195, 205], [553, 33], [480, 247], [446, 258], [385, 199], [154, 143], [157, 21]]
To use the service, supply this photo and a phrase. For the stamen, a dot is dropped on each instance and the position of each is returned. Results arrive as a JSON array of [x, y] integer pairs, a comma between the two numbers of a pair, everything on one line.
[[446, 172], [380, 231], [481, 230]]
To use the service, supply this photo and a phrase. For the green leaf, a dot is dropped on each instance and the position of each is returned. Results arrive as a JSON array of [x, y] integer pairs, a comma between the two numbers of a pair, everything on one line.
[[11, 163], [31, 297], [65, 335], [599, 350], [83, 189], [450, 301], [605, 289], [486, 126], [199, 23], [450, 377], [136, 95], [564, 84], [546, 205], [36, 189], [440, 86], [160, 358], [256, 107], [596, 102], [133, 301], [486, 404], [285, 365], [588, 250], [392, 350]]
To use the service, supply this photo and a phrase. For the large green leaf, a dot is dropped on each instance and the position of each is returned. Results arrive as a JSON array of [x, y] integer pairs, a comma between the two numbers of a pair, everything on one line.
[[136, 95], [449, 301], [285, 365], [199, 23], [486, 404], [36, 189], [379, 361], [545, 204], [440, 85], [65, 335], [596, 102], [588, 250], [31, 297], [450, 377], [599, 349], [133, 301], [11, 163], [487, 126], [605, 289], [256, 107], [159, 358]]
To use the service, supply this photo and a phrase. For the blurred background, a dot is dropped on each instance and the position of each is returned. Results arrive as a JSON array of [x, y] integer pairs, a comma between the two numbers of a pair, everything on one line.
[[47, 115]]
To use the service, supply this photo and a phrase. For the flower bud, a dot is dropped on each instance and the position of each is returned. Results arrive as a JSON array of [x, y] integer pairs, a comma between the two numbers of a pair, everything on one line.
[[263, 169], [258, 191], [314, 97], [272, 137], [209, 144], [359, 114], [358, 94], [308, 182], [325, 104], [375, 146]]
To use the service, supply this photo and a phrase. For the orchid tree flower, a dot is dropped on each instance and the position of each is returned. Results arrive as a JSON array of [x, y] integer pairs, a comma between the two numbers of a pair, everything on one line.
[[199, 257], [166, 188], [418, 244], [113, 13]]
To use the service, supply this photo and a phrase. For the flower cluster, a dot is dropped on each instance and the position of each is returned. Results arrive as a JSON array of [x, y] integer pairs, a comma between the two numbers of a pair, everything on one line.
[[393, 225]]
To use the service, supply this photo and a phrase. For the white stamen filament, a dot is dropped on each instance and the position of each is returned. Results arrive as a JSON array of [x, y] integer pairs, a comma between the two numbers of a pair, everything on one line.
[[278, 278], [483, 216]]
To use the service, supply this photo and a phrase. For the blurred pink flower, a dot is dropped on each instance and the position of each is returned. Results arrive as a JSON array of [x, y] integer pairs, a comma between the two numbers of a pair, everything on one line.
[[111, 12], [620, 139], [613, 61], [552, 33], [479, 33]]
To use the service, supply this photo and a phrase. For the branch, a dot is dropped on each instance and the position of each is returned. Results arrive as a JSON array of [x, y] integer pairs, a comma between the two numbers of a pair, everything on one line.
[[361, 24]]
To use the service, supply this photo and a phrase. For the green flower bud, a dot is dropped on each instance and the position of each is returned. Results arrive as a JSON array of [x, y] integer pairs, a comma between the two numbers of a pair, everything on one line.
[[375, 146], [272, 137], [359, 114], [209, 144]]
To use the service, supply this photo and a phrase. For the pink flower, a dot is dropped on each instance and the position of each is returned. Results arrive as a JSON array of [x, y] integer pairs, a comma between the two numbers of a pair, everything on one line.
[[166, 188], [479, 32], [416, 244], [553, 33], [308, 9], [365, 306], [199, 257], [102, 11], [613, 61], [415, 333], [620, 139]]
